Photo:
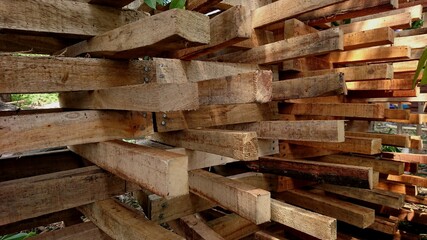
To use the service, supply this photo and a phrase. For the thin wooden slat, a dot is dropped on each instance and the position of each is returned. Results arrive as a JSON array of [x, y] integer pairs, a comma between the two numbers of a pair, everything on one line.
[[314, 171], [301, 46], [245, 146], [36, 196], [373, 54], [381, 197], [36, 131], [247, 201], [121, 222], [316, 86], [151, 97], [63, 18], [82, 231], [169, 30], [356, 215], [159, 171], [387, 139]]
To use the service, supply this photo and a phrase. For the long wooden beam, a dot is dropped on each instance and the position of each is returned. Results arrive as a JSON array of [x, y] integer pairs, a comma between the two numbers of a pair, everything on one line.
[[374, 85], [170, 30], [121, 222], [310, 170], [36, 131], [152, 97], [406, 157], [369, 38], [316, 86], [194, 227], [396, 21], [233, 226], [374, 54], [301, 46], [63, 18], [201, 5], [347, 212], [11, 42], [247, 201], [81, 231], [387, 139], [36, 196], [245, 146], [160, 171], [409, 179]]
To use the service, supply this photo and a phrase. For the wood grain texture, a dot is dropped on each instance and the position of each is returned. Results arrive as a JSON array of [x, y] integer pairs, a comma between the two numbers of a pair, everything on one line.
[[314, 171], [402, 20], [196, 228], [63, 18], [82, 231], [374, 54], [169, 30], [398, 140], [123, 223], [233, 226], [247, 201], [11, 42], [245, 144], [316, 86], [36, 131], [40, 195], [160, 171], [374, 85], [152, 97], [369, 38]]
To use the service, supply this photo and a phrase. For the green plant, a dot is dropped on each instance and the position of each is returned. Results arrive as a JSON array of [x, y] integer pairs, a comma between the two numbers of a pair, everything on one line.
[[420, 67], [17, 236], [386, 148], [172, 3], [29, 100]]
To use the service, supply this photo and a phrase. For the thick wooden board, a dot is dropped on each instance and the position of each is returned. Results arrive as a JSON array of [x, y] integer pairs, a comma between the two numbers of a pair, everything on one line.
[[226, 29], [409, 179], [242, 88], [11, 42], [121, 222], [361, 145], [284, 9], [293, 151], [356, 73], [417, 41], [245, 145], [301, 46], [385, 225], [377, 196], [387, 139], [160, 171], [247, 201], [82, 231], [311, 223], [374, 85], [353, 214], [233, 226], [314, 171], [378, 165], [374, 54], [416, 13], [369, 38], [214, 115], [269, 182], [334, 109], [63, 18], [406, 157], [169, 30], [397, 21], [306, 64], [316, 86], [152, 97], [196, 228], [36, 131], [37, 196]]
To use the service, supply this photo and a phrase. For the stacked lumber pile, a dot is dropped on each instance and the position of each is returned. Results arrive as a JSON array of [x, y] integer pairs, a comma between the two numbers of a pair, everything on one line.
[[256, 122]]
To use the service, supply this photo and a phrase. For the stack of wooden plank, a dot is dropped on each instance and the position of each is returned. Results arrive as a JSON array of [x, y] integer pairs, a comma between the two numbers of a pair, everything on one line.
[[257, 122]]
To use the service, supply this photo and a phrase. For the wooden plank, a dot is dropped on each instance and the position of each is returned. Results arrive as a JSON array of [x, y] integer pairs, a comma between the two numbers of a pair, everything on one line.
[[301, 46], [245, 146], [63, 18], [369, 38], [377, 196], [417, 41], [269, 182], [416, 13], [82, 231], [153, 97], [378, 165], [214, 115], [160, 171], [233, 227], [334, 109], [293, 151], [406, 66], [372, 85], [396, 21], [242, 88], [226, 29], [314, 171], [409, 179], [36, 131], [121, 222], [10, 42], [356, 215], [247, 201], [408, 190], [201, 5], [316, 86], [406, 157], [397, 114], [348, 9], [311, 223], [361, 145], [284, 9], [196, 228], [384, 225], [171, 30], [387, 139], [356, 73], [373, 54], [36, 196], [306, 64]]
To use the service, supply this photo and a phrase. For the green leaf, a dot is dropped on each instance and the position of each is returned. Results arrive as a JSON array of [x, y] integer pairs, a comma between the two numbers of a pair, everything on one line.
[[421, 65], [151, 3], [424, 78], [18, 236], [177, 4]]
